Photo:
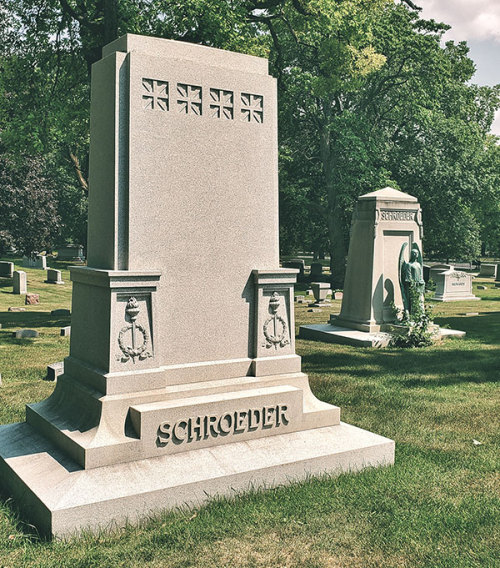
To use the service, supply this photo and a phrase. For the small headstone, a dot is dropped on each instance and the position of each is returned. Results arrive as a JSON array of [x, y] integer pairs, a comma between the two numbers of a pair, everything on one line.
[[25, 333], [487, 270], [53, 276], [54, 370], [19, 286], [309, 292], [16, 309], [314, 310], [472, 314], [6, 269], [481, 287], [338, 295], [316, 269], [60, 312], [66, 331], [32, 299], [39, 262]]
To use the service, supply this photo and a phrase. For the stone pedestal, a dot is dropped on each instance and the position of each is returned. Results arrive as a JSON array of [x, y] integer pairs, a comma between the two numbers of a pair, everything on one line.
[[163, 402], [453, 286], [382, 222]]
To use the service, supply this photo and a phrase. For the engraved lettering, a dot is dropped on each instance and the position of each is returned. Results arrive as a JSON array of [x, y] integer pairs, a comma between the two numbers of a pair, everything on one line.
[[239, 421], [197, 428], [176, 435], [392, 215], [281, 416], [228, 419], [212, 421], [253, 418], [267, 416], [163, 434]]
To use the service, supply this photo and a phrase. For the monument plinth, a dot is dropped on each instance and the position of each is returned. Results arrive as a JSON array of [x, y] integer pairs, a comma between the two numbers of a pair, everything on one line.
[[165, 399]]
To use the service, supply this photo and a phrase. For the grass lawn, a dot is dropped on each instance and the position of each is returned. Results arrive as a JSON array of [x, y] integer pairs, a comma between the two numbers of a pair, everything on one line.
[[438, 506]]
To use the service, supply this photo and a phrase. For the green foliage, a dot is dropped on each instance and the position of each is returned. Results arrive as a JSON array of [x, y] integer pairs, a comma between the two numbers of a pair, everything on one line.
[[27, 205], [416, 325]]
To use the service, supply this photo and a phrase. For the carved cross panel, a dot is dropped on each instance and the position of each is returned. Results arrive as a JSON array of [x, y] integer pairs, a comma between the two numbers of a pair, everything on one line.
[[221, 104], [155, 94], [252, 108], [189, 99]]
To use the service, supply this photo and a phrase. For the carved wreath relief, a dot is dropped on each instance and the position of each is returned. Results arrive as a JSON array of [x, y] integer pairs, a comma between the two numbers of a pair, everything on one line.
[[275, 327], [188, 99], [136, 333]]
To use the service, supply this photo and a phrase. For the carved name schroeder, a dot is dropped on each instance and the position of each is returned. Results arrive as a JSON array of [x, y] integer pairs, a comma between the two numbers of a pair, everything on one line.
[[391, 215], [234, 422]]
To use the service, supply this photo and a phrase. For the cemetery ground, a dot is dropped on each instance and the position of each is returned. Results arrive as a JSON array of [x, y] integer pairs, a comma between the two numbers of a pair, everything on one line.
[[438, 506]]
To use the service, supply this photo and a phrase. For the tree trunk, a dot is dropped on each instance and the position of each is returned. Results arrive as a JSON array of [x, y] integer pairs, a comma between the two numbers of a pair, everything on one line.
[[337, 250]]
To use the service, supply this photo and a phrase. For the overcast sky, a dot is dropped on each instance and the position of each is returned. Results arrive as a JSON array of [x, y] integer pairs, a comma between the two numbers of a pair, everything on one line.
[[478, 23]]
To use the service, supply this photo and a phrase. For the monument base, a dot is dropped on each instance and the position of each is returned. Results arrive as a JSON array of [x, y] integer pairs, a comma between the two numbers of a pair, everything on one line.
[[329, 333], [445, 298], [62, 499], [344, 335]]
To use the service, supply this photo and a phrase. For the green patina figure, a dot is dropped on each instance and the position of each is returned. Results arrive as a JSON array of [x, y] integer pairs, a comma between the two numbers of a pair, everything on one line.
[[411, 280]]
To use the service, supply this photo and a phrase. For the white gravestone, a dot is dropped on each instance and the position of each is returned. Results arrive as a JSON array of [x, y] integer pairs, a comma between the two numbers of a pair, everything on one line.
[[453, 285], [162, 403], [19, 284]]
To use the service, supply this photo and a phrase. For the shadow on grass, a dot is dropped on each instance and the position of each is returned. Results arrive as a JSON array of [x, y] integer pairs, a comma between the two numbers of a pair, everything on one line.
[[33, 320], [431, 367], [485, 327]]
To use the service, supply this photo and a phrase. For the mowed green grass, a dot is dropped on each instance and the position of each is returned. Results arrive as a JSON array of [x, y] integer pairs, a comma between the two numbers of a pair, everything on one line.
[[438, 506]]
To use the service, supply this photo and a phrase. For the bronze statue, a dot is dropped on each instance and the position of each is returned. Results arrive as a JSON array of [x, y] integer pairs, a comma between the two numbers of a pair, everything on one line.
[[411, 280]]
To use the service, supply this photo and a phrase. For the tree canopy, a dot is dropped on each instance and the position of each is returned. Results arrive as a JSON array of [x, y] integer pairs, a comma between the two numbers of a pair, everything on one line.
[[368, 97]]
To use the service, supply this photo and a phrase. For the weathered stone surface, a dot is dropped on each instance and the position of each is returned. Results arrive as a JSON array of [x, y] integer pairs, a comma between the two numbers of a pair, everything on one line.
[[481, 287], [25, 333], [54, 370], [54, 276], [66, 331], [6, 269], [161, 402], [19, 285], [16, 309], [32, 299], [60, 312]]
